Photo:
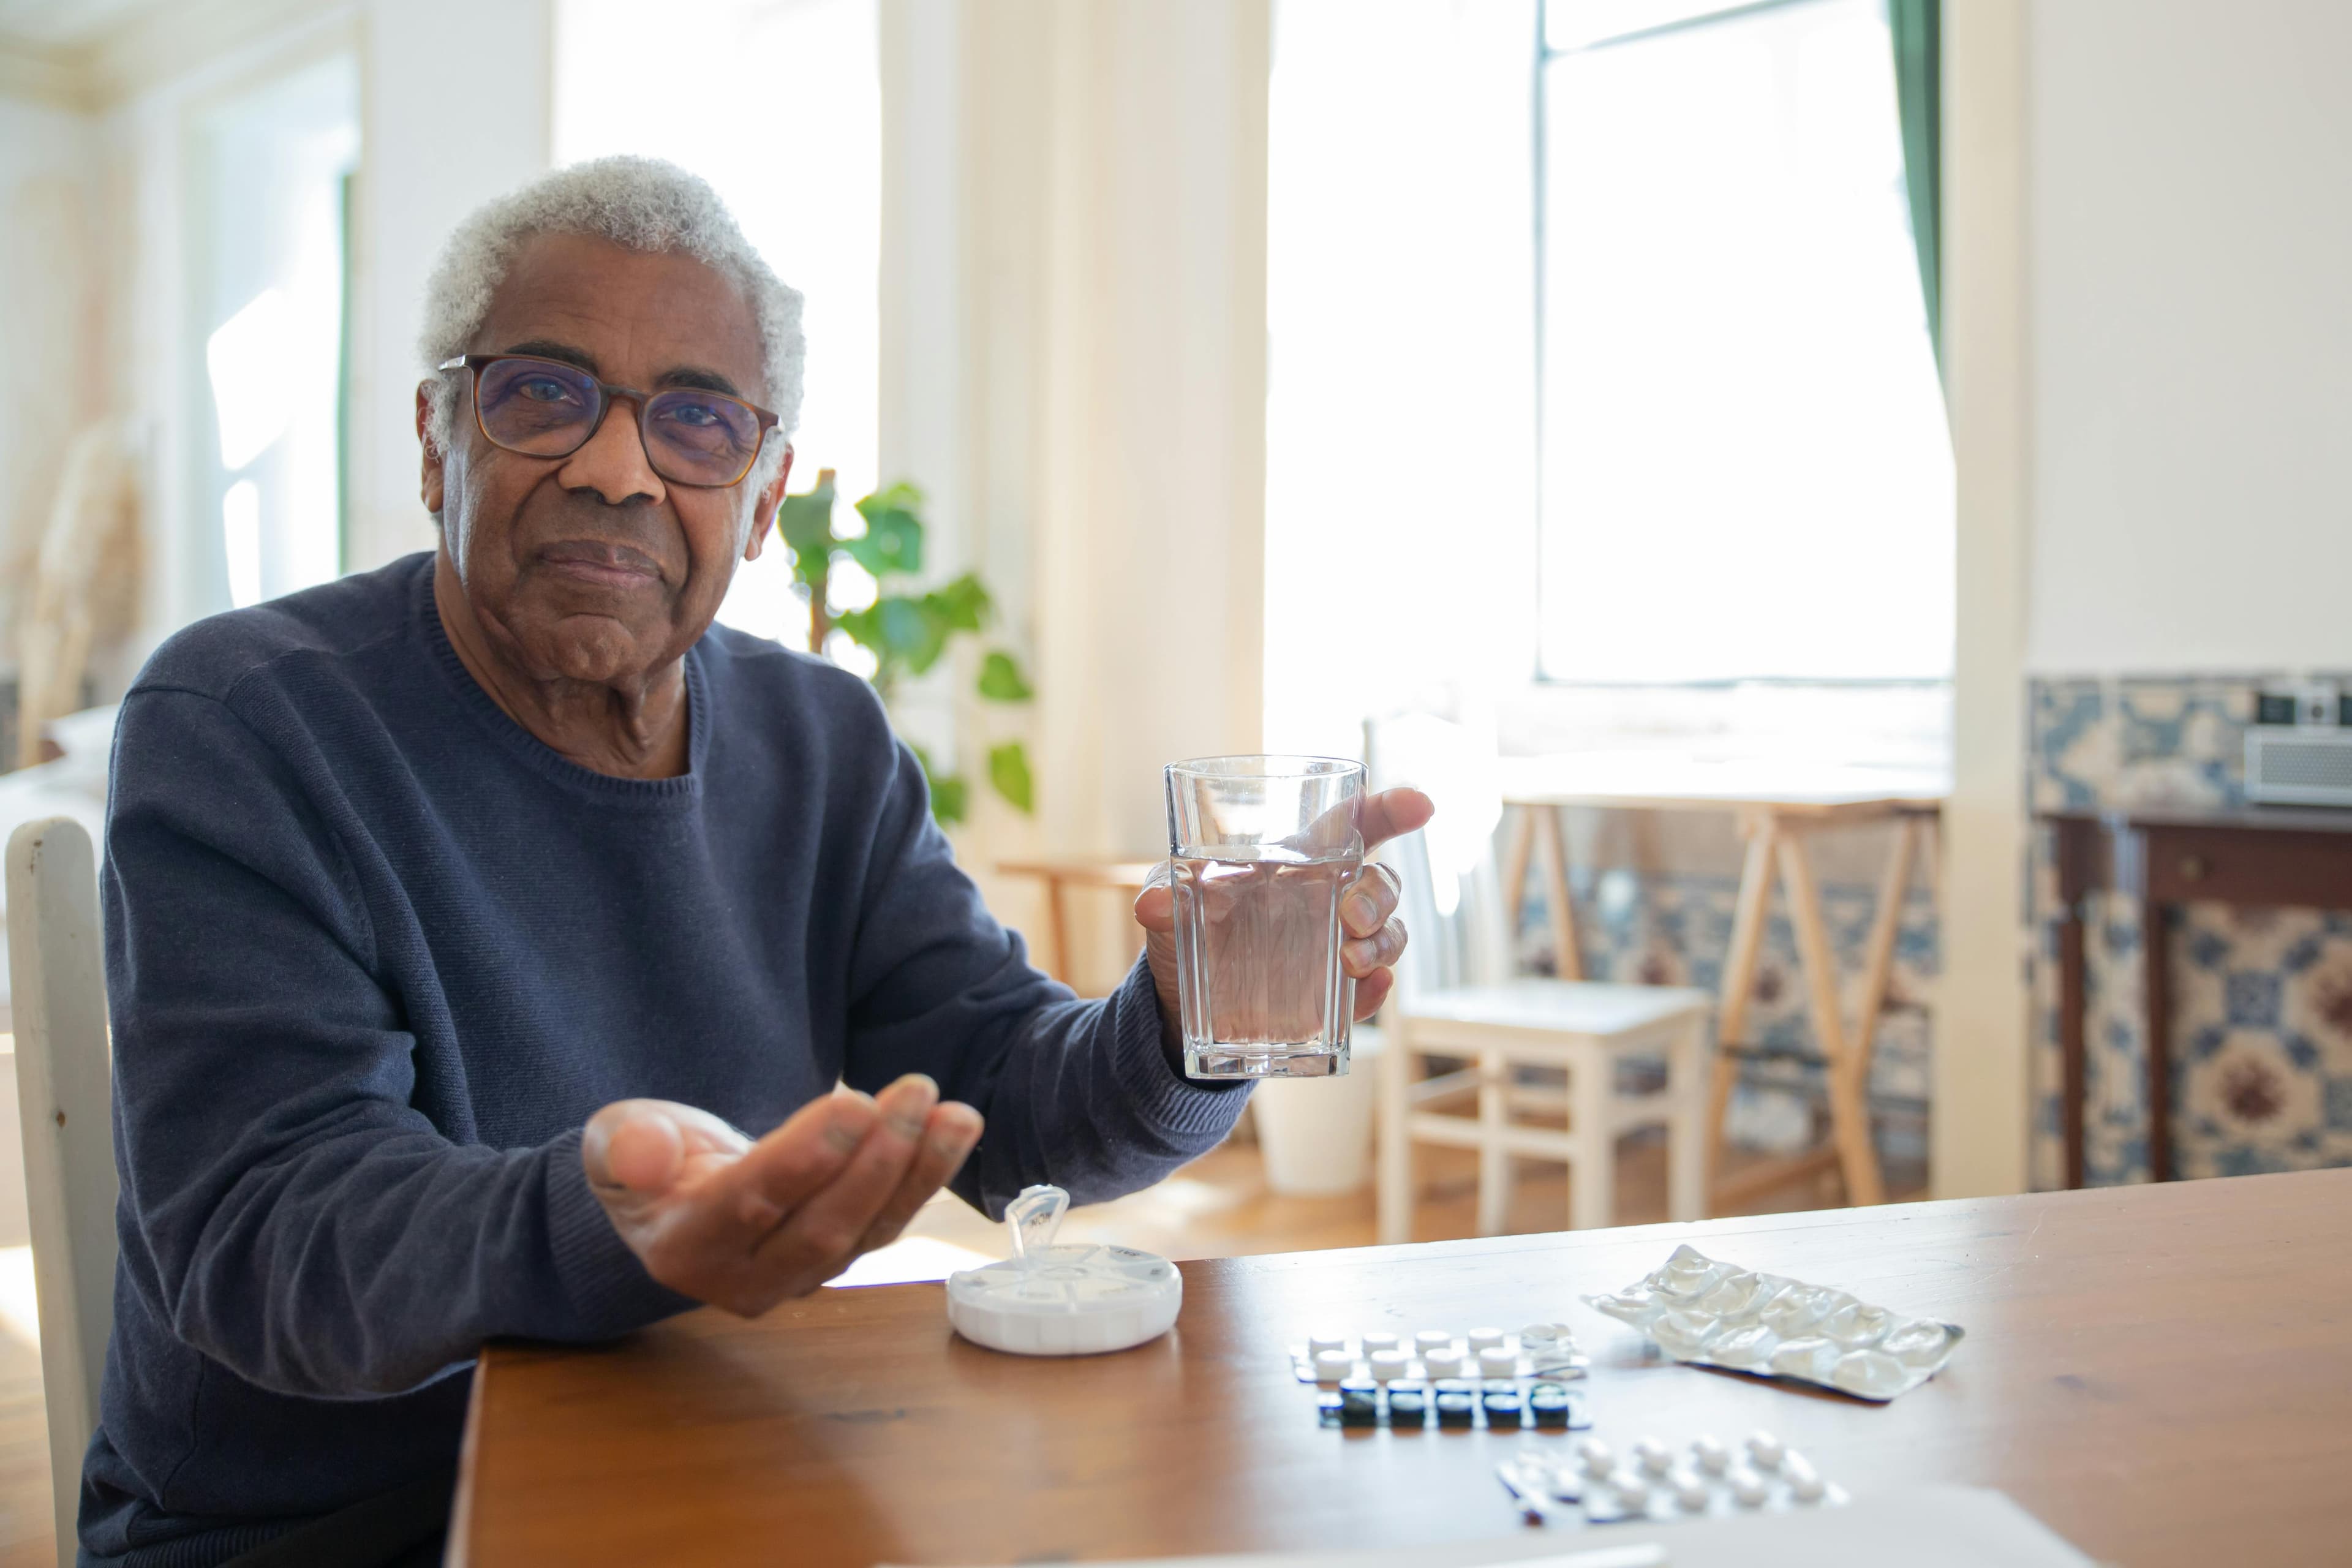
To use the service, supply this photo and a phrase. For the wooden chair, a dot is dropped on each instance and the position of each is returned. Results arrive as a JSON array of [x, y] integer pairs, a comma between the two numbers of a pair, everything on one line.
[[1455, 999], [64, 1093]]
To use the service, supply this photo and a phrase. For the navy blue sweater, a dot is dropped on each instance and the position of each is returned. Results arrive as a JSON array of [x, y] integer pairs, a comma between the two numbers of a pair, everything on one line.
[[376, 953]]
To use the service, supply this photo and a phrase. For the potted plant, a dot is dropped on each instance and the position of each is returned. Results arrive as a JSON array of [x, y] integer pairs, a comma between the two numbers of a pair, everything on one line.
[[906, 630]]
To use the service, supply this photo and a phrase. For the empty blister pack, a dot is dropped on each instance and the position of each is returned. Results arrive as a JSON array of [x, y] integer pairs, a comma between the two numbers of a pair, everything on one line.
[[1698, 1310]]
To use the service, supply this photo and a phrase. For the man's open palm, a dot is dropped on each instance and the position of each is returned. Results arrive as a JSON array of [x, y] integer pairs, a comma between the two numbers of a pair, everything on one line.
[[744, 1224]]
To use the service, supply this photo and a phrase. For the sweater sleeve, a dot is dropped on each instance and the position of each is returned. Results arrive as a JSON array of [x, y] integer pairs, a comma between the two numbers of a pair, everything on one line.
[[1080, 1094], [292, 1216]]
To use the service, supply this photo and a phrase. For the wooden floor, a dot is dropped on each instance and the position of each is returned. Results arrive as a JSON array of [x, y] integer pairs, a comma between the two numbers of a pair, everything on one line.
[[1217, 1206]]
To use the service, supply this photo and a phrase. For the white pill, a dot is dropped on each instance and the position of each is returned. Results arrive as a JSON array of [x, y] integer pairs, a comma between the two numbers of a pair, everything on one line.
[[1748, 1488], [1387, 1365], [1443, 1364], [1765, 1449], [1654, 1454], [1689, 1490], [1598, 1456], [1487, 1338], [1710, 1453], [1495, 1361], [1538, 1334], [1631, 1491], [1793, 1464], [1329, 1340], [1332, 1365], [1379, 1340], [1434, 1340], [1807, 1488]]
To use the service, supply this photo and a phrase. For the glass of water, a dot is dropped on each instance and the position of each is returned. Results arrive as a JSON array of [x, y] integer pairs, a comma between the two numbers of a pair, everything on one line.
[[1261, 848]]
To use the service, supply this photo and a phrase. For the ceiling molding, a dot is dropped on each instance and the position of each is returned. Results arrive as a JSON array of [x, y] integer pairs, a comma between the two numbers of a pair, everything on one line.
[[146, 51], [59, 77], [148, 48]]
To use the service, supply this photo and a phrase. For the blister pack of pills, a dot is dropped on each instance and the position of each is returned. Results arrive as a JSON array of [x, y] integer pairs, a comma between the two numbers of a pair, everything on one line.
[[1539, 1350], [1655, 1480], [1456, 1404], [1698, 1310]]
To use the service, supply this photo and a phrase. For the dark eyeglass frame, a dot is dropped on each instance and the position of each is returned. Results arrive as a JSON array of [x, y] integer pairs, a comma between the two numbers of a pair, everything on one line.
[[607, 394]]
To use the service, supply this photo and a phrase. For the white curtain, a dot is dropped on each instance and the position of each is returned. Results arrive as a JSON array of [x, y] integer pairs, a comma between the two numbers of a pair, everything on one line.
[[1401, 416], [1072, 348]]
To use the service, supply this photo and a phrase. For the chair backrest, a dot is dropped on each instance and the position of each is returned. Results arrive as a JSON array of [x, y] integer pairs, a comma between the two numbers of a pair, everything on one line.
[[64, 1092], [1453, 901]]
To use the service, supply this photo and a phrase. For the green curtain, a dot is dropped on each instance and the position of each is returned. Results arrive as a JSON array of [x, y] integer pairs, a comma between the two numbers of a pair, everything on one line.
[[1918, 31]]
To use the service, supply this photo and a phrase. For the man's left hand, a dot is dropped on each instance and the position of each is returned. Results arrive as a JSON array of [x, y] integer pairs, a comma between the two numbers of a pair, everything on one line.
[[1375, 938]]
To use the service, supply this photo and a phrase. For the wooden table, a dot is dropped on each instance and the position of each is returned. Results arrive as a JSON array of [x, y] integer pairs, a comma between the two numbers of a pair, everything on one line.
[[2262, 857], [1778, 809], [2160, 1374], [1062, 873]]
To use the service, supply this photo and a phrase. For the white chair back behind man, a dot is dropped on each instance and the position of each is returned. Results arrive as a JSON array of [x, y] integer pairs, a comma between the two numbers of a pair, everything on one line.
[[64, 1092]]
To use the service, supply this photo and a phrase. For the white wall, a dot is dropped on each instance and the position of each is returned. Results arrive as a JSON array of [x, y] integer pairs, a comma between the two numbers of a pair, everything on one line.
[[433, 147], [52, 322], [2191, 364]]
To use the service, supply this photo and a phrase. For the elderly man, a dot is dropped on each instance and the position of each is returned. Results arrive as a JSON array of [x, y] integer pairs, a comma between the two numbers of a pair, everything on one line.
[[459, 913]]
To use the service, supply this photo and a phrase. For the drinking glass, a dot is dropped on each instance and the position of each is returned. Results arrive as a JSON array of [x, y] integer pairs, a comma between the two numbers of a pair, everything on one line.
[[1261, 850]]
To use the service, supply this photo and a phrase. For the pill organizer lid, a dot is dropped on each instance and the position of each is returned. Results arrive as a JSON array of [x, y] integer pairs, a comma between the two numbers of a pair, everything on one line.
[[1073, 1299]]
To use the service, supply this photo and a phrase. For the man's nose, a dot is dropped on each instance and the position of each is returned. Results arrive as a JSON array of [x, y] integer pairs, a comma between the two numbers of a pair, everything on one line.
[[613, 462]]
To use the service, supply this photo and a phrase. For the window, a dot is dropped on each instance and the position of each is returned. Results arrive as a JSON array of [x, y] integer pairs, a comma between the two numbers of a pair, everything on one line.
[[272, 172], [1744, 469]]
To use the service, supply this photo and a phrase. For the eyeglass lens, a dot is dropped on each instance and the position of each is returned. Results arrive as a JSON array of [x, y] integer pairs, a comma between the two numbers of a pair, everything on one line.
[[546, 409]]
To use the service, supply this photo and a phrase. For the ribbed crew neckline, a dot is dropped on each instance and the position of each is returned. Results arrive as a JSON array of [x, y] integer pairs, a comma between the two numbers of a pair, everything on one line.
[[536, 755]]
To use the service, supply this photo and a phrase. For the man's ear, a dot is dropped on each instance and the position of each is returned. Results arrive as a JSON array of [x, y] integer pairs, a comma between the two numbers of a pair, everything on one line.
[[763, 513], [431, 488]]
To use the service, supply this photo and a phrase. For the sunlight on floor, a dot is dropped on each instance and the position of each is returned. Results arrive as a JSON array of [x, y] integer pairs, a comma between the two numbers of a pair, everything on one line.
[[18, 1314]]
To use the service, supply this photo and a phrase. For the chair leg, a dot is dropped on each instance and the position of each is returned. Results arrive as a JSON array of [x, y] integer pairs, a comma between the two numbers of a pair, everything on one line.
[[1494, 1160], [1395, 1173], [1592, 1167], [1689, 1125]]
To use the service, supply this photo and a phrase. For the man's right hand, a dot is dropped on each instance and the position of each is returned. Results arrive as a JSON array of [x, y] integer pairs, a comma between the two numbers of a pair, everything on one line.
[[742, 1224]]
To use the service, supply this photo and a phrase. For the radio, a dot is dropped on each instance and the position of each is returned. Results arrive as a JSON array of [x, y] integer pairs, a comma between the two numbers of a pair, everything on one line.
[[2299, 749]]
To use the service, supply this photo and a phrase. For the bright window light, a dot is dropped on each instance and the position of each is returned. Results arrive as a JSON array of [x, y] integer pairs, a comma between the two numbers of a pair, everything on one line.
[[241, 535], [1747, 472], [20, 1312], [778, 105], [252, 394]]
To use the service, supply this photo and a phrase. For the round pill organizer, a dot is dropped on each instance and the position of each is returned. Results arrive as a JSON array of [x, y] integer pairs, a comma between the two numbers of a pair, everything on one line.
[[1075, 1298]]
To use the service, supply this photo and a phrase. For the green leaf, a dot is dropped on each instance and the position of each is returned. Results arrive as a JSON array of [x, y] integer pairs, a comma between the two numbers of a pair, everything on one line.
[[962, 604], [805, 524], [1008, 770], [893, 541], [1000, 679]]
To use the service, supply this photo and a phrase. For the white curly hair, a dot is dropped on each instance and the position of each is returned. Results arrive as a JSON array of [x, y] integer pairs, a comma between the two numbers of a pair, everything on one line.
[[642, 204]]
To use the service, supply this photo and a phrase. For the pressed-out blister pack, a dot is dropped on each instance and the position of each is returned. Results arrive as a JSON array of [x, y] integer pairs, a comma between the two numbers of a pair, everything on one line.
[[1654, 1481], [1698, 1310]]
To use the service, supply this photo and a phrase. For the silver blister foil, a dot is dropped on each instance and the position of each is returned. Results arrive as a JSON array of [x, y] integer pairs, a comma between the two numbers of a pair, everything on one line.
[[1711, 1313]]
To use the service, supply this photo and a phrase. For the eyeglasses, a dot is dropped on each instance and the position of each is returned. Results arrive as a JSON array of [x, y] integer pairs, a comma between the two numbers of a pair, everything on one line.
[[546, 408]]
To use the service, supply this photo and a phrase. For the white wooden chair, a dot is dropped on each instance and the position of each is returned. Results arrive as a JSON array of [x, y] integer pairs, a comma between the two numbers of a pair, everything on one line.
[[1456, 998], [64, 1093]]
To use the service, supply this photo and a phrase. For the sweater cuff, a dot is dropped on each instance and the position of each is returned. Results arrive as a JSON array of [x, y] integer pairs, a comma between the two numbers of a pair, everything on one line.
[[608, 1288], [1195, 1115]]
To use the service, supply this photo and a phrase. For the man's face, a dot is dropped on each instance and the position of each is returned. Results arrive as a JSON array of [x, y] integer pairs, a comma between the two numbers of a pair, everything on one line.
[[592, 568]]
